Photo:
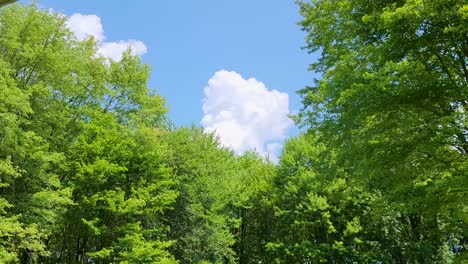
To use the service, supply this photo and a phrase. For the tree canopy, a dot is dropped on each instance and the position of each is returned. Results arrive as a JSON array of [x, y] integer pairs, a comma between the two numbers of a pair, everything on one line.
[[91, 171], [392, 106]]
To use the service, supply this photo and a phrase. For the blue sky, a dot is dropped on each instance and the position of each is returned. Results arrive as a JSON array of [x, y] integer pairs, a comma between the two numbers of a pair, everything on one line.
[[187, 42]]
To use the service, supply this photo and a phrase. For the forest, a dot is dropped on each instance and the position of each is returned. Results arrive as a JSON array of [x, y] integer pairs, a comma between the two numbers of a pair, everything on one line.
[[92, 170]]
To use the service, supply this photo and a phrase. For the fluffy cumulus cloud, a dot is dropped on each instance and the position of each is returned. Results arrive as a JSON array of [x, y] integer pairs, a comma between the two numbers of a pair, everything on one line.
[[85, 26], [245, 114]]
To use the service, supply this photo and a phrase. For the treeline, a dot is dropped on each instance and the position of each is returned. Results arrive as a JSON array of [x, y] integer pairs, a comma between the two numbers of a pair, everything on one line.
[[92, 171]]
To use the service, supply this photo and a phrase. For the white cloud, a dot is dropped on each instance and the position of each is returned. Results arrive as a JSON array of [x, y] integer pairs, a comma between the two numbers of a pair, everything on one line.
[[244, 114], [113, 50], [85, 26]]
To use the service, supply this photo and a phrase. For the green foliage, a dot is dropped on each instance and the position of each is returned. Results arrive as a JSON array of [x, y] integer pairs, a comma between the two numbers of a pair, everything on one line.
[[33, 198], [251, 207], [319, 210], [392, 106], [90, 172], [122, 187], [83, 170], [199, 222]]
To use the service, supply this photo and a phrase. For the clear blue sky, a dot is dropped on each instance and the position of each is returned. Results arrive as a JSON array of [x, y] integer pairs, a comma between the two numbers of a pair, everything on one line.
[[188, 41]]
